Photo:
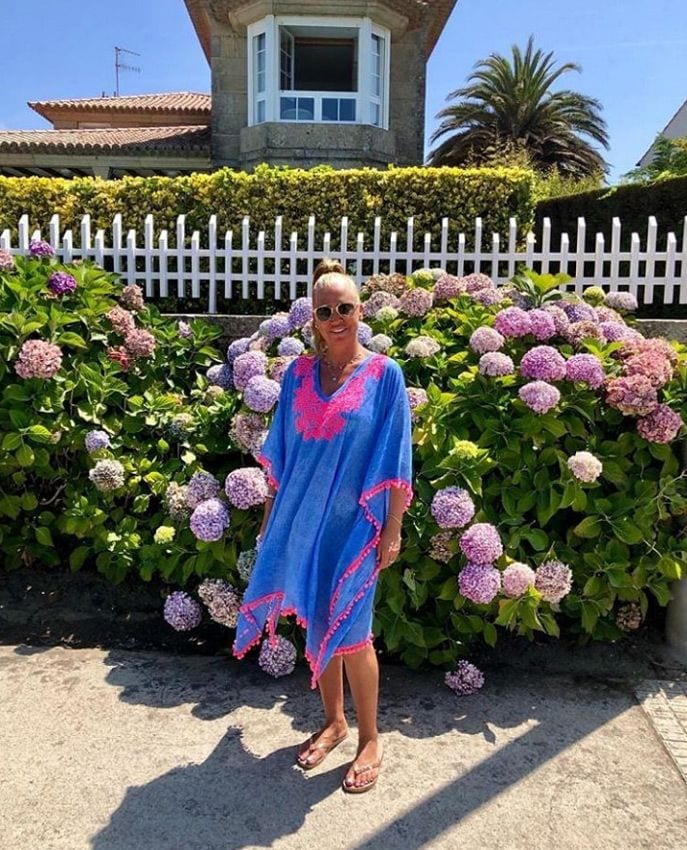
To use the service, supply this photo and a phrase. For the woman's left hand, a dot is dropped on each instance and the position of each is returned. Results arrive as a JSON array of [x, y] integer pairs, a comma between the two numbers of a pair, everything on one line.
[[389, 545]]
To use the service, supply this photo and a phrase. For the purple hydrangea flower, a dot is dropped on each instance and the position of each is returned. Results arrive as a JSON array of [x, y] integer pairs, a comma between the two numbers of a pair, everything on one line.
[[481, 543], [246, 487], [466, 680], [452, 507], [517, 578], [448, 286], [290, 346], [585, 467], [277, 656], [182, 612], [222, 601], [488, 297], [477, 281], [486, 339], [577, 332], [96, 440], [209, 520], [543, 324], [623, 302], [380, 343], [300, 312], [277, 368], [378, 300], [132, 298], [494, 364], [439, 547], [416, 398], [277, 326], [61, 283], [201, 487], [578, 311], [365, 333], [479, 583], [237, 347], [247, 366], [543, 363], [553, 579], [248, 431], [662, 425], [560, 320], [585, 369], [261, 393], [40, 248], [540, 396], [38, 359], [618, 332], [634, 395], [513, 322], [220, 375], [416, 302], [184, 330]]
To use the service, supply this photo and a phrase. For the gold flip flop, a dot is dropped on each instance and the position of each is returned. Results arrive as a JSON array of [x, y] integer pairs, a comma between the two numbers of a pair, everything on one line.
[[325, 747], [352, 789]]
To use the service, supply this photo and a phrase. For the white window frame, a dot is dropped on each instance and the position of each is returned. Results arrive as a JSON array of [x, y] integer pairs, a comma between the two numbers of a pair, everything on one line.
[[270, 27]]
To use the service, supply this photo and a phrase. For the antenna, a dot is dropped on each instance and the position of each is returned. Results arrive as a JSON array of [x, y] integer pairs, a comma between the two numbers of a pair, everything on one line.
[[123, 66]]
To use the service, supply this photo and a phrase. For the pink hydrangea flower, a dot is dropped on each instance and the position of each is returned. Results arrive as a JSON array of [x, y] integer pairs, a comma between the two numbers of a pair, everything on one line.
[[481, 543], [543, 363], [452, 507], [494, 364], [585, 467], [540, 396], [140, 343], [246, 487], [662, 425], [486, 339], [543, 324], [416, 302], [477, 281], [132, 298], [247, 366], [479, 583], [38, 359], [634, 395], [585, 369], [447, 287], [517, 578], [553, 579], [121, 320], [513, 322]]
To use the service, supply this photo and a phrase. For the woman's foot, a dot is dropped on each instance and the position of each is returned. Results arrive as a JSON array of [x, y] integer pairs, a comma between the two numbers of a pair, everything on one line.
[[365, 768], [314, 751]]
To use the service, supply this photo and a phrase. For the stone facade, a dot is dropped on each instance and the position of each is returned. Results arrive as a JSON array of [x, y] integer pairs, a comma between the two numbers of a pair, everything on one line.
[[222, 28]]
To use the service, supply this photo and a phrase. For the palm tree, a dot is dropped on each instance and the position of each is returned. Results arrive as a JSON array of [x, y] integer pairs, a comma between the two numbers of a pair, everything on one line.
[[509, 103]]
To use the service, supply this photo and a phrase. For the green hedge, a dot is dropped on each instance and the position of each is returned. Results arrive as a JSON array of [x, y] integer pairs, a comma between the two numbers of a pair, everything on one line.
[[667, 200], [428, 194]]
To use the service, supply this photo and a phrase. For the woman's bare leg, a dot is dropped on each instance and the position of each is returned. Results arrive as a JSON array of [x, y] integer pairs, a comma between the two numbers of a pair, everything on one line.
[[362, 671], [332, 693]]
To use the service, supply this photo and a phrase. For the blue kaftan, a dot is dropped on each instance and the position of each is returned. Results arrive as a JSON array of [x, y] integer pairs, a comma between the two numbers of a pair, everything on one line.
[[332, 460]]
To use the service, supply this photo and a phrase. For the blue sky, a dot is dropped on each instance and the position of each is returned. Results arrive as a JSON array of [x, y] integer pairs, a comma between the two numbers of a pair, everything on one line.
[[633, 55]]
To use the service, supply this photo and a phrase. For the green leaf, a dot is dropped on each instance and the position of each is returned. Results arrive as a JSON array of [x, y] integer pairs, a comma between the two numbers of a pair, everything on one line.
[[627, 531], [43, 536], [71, 339], [490, 634], [670, 568], [589, 528], [11, 441], [39, 433], [77, 558], [24, 456]]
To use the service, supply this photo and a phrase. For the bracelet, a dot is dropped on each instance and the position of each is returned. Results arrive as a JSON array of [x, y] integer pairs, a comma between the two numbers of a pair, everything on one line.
[[270, 497], [399, 520]]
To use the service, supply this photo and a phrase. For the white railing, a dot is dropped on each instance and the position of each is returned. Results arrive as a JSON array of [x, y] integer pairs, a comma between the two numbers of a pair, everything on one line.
[[281, 265]]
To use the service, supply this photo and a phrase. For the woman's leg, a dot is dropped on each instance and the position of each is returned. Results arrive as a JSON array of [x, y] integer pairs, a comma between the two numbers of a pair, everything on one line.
[[362, 671], [331, 691]]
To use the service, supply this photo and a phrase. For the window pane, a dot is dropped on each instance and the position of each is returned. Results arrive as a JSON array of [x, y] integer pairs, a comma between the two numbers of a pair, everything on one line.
[[375, 114], [330, 109], [306, 109], [287, 109], [325, 64], [346, 110], [260, 112]]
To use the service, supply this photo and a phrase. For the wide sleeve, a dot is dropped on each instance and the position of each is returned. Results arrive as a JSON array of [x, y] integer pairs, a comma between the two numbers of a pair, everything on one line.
[[391, 464], [272, 455]]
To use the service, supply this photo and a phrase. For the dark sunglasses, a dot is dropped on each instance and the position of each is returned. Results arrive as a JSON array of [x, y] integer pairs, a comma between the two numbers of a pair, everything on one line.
[[344, 309]]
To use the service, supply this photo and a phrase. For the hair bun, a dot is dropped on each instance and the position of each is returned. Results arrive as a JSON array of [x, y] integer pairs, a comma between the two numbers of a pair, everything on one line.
[[327, 266]]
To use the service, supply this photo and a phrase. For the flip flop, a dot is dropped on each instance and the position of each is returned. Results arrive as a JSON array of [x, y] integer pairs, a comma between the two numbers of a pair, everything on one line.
[[360, 789], [325, 747]]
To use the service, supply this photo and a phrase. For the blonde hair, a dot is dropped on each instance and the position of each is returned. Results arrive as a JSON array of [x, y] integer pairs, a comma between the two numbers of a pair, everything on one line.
[[328, 273]]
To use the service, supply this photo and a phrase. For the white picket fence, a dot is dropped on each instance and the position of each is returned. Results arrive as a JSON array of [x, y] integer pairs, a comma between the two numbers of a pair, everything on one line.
[[244, 265]]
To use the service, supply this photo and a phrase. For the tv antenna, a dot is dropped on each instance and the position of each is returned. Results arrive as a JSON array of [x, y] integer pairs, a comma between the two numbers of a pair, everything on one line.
[[123, 66]]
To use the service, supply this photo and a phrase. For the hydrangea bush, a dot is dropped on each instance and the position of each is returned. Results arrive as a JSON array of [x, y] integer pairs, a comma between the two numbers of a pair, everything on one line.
[[549, 487]]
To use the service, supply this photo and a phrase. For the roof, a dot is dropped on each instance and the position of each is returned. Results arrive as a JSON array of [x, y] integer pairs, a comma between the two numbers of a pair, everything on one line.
[[126, 140], [435, 12], [167, 102], [666, 131]]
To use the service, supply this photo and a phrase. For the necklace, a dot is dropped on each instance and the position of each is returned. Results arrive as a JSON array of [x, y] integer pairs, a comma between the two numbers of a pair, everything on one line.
[[335, 372]]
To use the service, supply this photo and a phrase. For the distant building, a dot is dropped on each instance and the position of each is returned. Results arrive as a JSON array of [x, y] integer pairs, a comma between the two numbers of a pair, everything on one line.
[[339, 83], [676, 128]]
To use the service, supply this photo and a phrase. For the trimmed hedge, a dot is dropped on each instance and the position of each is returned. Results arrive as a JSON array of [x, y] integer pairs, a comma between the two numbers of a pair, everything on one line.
[[632, 204], [428, 194]]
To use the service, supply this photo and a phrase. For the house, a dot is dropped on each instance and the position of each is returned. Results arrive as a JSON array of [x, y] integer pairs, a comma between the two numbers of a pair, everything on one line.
[[113, 136], [339, 83], [306, 83], [676, 128]]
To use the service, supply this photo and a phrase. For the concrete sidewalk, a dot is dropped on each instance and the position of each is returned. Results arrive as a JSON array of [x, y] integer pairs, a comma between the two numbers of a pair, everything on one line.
[[115, 750]]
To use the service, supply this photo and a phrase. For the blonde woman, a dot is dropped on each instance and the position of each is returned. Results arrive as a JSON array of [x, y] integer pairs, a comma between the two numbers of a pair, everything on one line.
[[338, 460]]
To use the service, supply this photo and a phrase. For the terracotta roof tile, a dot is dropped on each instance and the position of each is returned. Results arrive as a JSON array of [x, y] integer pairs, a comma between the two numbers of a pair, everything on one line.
[[182, 101], [134, 140]]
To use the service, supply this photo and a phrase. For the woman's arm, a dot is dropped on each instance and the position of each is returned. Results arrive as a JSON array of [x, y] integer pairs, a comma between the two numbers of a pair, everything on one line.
[[389, 544]]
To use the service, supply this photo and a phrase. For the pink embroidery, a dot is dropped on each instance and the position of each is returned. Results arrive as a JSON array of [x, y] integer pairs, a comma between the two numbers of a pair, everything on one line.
[[263, 460], [323, 419]]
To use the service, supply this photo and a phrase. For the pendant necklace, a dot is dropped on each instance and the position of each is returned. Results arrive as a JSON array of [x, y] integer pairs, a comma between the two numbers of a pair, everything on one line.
[[335, 372]]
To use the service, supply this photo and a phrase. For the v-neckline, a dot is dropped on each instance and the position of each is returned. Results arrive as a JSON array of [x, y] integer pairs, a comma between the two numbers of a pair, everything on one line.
[[318, 385]]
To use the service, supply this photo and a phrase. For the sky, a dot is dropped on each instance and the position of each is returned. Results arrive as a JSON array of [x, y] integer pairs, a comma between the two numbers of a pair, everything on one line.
[[633, 55]]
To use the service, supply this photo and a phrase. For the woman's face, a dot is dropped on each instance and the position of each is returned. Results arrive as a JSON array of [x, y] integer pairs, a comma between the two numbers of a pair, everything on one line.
[[338, 330]]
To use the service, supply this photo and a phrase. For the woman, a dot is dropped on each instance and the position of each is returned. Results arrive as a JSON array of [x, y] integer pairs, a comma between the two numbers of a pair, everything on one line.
[[338, 460]]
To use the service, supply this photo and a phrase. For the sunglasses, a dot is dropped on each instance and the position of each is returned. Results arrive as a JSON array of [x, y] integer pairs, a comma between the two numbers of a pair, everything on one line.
[[344, 309]]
